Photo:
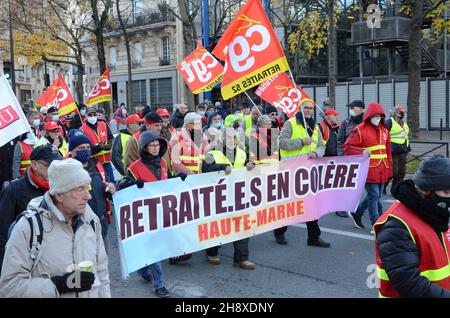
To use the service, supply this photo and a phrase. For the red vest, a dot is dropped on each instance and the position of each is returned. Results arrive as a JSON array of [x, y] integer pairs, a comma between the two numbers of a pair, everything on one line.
[[434, 262], [25, 160], [325, 131], [140, 171], [137, 136], [190, 156], [103, 156]]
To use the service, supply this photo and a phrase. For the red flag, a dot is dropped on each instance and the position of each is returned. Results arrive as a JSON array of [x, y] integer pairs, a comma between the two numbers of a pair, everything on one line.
[[250, 49], [101, 92], [201, 71], [281, 92], [58, 95]]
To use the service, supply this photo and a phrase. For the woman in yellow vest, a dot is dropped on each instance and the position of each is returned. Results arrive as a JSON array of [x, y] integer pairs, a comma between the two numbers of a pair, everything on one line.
[[53, 136], [225, 157], [301, 137]]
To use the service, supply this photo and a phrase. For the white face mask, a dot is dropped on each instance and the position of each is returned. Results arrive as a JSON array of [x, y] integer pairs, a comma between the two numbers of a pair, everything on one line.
[[375, 120], [92, 120], [29, 140]]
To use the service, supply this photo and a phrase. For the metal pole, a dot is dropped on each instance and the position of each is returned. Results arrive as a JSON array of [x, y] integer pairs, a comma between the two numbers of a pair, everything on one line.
[[206, 34], [11, 51], [267, 7], [445, 44]]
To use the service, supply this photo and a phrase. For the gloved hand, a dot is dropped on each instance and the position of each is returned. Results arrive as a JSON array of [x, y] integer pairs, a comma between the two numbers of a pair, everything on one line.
[[182, 176], [68, 283], [140, 183]]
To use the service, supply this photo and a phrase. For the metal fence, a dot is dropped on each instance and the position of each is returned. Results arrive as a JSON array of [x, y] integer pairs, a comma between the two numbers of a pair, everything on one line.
[[423, 149], [434, 98]]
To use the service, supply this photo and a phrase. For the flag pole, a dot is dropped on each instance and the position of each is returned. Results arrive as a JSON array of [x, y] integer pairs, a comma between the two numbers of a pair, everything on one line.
[[251, 100]]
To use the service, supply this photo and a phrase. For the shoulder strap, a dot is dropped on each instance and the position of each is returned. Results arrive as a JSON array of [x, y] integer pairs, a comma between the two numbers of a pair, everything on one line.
[[92, 223]]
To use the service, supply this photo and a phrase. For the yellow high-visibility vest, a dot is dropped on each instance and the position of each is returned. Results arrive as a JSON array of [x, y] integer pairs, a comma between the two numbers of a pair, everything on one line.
[[298, 131]]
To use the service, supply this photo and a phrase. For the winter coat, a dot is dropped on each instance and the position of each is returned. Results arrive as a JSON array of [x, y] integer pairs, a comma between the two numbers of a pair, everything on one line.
[[14, 200], [400, 255], [396, 148], [61, 247], [344, 131], [365, 135], [177, 120], [116, 152], [6, 161], [331, 146]]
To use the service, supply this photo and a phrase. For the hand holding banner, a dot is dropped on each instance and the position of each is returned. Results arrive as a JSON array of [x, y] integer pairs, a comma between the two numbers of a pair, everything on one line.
[[101, 92], [200, 70], [12, 119], [251, 50], [280, 91]]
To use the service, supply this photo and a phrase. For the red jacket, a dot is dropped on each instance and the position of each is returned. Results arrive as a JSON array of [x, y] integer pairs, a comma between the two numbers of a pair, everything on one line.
[[366, 135]]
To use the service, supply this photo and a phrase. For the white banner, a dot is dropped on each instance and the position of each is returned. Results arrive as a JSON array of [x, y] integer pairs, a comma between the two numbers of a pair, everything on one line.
[[12, 119]]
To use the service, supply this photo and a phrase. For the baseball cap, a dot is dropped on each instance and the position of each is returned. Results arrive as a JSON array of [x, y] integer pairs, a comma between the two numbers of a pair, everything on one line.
[[162, 112], [331, 111], [51, 125], [133, 119], [47, 153]]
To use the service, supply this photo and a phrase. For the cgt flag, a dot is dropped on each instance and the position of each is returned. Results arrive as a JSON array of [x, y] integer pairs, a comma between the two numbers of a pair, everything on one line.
[[12, 119], [281, 92], [101, 92], [250, 49], [201, 71], [58, 95]]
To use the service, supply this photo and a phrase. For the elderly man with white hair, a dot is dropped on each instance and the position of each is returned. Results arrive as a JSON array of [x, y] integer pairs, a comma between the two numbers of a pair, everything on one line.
[[49, 245]]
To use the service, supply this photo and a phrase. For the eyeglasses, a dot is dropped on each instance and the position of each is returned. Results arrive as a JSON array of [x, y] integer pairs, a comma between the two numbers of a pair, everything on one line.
[[92, 115], [84, 148], [44, 164]]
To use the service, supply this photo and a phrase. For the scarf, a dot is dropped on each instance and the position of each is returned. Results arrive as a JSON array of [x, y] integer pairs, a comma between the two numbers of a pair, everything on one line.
[[434, 216], [43, 184]]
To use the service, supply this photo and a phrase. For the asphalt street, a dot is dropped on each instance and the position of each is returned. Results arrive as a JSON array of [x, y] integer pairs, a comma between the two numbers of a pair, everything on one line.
[[346, 269]]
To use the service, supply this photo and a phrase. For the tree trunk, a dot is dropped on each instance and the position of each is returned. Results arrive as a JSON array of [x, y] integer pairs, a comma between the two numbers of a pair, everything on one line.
[[79, 88], [332, 54], [188, 47], [414, 65], [127, 47]]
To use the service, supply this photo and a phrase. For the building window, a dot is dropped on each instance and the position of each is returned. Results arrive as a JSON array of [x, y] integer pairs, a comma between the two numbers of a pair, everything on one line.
[[161, 92], [165, 51], [137, 8], [138, 93], [137, 62], [112, 57]]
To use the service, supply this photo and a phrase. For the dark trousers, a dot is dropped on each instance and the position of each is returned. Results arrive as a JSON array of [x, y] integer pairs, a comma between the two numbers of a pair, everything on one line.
[[398, 169], [240, 250], [311, 226]]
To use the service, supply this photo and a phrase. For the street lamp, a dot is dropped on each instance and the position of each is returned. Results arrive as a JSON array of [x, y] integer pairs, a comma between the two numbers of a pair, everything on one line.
[[11, 50]]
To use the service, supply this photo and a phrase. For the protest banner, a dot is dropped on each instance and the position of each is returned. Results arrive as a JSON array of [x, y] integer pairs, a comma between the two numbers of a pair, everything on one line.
[[200, 70], [280, 91], [250, 49], [101, 92], [12, 119], [173, 217]]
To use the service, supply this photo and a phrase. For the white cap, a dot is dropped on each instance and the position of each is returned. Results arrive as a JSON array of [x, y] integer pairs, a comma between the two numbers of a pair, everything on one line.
[[43, 109], [66, 175], [191, 117]]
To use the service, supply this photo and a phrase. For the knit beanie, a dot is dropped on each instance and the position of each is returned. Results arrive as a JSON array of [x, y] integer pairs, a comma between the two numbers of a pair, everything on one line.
[[433, 174], [271, 109], [76, 138], [66, 175]]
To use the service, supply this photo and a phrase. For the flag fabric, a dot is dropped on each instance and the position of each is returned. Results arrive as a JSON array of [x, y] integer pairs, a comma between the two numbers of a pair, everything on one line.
[[280, 91], [250, 49], [12, 119], [200, 70], [101, 92], [58, 95]]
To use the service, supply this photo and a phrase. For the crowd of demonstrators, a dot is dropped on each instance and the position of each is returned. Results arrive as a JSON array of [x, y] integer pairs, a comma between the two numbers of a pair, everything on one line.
[[177, 120]]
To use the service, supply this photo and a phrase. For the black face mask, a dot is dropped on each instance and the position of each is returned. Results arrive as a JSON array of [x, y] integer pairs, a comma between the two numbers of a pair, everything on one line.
[[440, 202], [401, 116]]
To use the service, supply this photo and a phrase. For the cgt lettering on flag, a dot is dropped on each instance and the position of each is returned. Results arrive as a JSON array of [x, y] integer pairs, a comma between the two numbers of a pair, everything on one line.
[[200, 70], [101, 92], [250, 49]]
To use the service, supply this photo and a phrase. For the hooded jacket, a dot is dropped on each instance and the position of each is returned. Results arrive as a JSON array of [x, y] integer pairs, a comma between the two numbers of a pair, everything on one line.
[[61, 247], [366, 134], [213, 134]]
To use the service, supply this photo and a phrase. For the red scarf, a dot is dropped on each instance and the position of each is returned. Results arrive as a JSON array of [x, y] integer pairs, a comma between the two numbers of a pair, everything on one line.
[[43, 184]]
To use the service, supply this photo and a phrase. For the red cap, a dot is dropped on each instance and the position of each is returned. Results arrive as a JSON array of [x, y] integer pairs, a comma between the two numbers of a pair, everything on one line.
[[331, 111], [133, 119], [51, 125], [162, 112]]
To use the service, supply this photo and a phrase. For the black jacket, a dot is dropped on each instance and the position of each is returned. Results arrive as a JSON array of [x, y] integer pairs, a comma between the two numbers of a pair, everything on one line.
[[400, 256], [331, 148], [344, 131], [177, 120], [6, 161], [14, 200], [117, 153], [396, 148], [98, 194]]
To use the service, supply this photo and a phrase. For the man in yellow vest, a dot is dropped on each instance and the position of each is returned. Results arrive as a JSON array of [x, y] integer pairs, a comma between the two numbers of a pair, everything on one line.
[[120, 141], [53, 136], [250, 121], [301, 137], [399, 132]]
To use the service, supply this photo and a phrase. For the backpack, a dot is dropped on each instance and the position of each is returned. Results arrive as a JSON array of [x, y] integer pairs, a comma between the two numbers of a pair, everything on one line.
[[33, 215]]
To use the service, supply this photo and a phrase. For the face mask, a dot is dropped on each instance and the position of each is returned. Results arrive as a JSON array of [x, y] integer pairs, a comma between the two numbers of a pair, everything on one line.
[[83, 112], [440, 202], [29, 140], [401, 116], [217, 125], [55, 117], [201, 113], [36, 122], [236, 125], [92, 120], [375, 120], [352, 113], [84, 155]]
